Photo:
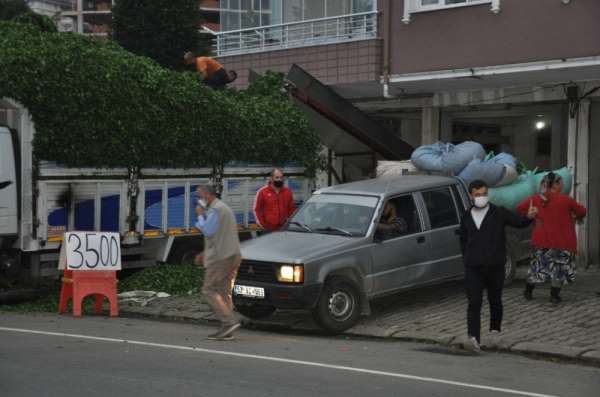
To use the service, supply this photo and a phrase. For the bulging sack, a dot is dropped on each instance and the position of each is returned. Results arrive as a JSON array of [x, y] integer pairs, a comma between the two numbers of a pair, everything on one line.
[[563, 172], [505, 159], [488, 171], [510, 176], [446, 157], [512, 195]]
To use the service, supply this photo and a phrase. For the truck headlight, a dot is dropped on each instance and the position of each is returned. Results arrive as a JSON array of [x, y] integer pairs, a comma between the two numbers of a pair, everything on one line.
[[291, 274]]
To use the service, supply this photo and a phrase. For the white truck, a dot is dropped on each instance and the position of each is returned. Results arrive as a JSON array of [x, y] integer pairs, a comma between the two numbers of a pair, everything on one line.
[[40, 201]]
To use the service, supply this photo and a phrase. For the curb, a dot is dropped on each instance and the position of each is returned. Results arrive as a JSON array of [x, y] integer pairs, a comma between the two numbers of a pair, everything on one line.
[[578, 354], [587, 356]]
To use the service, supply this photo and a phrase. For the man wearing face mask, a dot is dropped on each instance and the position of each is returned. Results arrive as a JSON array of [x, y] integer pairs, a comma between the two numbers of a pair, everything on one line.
[[274, 203], [483, 243], [221, 258]]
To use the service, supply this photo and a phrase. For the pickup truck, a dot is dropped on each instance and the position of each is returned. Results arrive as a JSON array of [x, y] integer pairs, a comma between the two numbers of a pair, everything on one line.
[[40, 201], [331, 259]]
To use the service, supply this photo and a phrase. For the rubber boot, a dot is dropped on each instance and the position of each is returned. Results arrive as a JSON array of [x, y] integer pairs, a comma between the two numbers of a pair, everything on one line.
[[528, 293], [555, 295]]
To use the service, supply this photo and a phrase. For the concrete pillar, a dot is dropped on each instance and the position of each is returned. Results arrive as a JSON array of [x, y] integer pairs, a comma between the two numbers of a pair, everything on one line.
[[578, 162], [446, 122], [430, 125], [594, 187], [557, 129]]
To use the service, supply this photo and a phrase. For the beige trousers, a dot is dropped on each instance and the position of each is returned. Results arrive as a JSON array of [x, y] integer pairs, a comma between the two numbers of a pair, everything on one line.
[[218, 285]]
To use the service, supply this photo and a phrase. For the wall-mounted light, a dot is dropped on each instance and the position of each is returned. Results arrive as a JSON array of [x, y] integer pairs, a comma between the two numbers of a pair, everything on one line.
[[565, 1], [540, 125]]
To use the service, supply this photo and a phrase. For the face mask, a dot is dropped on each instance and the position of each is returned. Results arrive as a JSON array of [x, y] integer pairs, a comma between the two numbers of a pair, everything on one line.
[[202, 203], [278, 184], [481, 201]]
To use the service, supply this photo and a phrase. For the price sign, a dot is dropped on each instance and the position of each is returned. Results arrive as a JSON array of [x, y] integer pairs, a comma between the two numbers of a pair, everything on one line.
[[90, 251]]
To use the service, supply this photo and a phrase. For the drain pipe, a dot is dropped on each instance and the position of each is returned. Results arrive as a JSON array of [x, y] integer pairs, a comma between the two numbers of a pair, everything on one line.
[[387, 34]]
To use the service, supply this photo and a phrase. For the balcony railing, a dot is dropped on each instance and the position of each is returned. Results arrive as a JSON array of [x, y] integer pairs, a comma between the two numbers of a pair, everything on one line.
[[312, 32]]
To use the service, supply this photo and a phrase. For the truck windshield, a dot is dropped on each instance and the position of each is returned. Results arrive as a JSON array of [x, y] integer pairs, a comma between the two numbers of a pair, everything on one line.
[[340, 214]]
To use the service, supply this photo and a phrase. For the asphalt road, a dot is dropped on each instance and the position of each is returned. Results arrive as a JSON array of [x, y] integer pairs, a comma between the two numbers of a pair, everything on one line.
[[48, 355]]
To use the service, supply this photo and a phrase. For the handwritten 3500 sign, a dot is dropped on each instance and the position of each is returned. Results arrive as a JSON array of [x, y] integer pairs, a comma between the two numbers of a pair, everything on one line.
[[93, 251]]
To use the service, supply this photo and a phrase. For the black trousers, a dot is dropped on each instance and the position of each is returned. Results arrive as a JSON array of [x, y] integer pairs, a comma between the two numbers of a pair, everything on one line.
[[478, 279]]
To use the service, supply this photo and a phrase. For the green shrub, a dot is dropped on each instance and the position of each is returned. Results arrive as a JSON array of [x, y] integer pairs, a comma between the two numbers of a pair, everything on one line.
[[95, 104]]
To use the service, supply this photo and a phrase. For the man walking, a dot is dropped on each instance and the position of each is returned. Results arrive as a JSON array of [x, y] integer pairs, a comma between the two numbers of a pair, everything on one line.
[[212, 73], [274, 203], [221, 258], [483, 242]]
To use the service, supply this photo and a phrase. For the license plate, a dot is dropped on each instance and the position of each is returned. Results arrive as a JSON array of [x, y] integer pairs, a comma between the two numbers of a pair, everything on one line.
[[252, 292]]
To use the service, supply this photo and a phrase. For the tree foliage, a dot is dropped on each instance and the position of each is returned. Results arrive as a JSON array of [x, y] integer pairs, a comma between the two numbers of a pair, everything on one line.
[[161, 30], [95, 104]]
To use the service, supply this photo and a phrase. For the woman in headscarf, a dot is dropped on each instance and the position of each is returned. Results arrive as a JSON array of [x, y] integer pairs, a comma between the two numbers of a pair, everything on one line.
[[554, 240]]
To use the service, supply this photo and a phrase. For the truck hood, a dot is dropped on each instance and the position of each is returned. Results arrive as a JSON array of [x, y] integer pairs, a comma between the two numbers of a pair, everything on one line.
[[295, 247]]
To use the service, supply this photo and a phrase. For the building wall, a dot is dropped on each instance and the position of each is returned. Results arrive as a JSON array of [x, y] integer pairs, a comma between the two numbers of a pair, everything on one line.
[[472, 36], [350, 62]]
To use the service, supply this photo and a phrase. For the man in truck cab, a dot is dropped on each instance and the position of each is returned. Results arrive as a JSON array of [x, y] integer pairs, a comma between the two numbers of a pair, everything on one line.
[[274, 203], [212, 73]]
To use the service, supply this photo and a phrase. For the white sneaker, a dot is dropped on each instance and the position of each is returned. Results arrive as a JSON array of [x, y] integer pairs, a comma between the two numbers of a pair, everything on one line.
[[472, 345], [494, 341]]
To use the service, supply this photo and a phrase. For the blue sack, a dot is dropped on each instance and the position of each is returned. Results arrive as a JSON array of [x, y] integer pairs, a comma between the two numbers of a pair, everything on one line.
[[446, 157], [488, 171]]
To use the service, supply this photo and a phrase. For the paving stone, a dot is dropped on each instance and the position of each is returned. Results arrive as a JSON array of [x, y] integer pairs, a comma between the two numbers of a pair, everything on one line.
[[547, 348], [593, 355], [444, 339]]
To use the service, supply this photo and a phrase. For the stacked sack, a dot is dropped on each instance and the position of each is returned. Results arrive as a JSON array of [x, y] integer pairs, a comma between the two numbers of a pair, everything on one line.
[[527, 184], [468, 161]]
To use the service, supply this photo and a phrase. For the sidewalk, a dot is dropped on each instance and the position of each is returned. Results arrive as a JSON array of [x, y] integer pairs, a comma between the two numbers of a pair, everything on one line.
[[437, 314]]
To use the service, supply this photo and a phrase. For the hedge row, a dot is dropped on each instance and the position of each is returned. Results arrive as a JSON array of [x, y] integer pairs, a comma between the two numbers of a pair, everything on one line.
[[95, 104]]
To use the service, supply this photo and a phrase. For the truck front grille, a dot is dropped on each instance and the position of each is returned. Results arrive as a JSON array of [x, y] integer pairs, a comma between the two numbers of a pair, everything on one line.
[[257, 271]]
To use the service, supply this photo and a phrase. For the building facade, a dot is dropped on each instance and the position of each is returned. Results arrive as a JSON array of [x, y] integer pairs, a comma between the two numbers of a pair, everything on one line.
[[517, 76], [94, 17]]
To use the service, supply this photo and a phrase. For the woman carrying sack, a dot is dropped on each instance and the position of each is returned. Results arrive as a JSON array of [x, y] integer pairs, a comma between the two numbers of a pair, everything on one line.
[[554, 240]]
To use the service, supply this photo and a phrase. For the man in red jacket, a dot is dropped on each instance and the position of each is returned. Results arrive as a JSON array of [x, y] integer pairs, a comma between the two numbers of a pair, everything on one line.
[[553, 239], [274, 203]]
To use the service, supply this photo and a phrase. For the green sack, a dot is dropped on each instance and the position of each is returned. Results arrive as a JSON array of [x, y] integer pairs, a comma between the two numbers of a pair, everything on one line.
[[563, 172], [512, 195]]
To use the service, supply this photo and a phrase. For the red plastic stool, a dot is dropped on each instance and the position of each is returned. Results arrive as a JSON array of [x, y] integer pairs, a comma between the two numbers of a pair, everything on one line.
[[76, 285]]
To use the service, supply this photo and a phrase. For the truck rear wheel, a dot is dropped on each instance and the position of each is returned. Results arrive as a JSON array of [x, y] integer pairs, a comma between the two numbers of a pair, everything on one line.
[[338, 307]]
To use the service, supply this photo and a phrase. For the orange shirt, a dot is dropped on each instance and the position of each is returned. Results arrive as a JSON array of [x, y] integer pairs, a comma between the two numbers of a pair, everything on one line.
[[207, 66]]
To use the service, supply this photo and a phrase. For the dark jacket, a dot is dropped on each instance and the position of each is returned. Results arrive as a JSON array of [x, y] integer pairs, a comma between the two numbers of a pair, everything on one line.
[[486, 247]]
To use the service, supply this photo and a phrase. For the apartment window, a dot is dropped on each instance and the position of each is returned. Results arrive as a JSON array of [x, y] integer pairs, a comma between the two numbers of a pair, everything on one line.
[[415, 6], [242, 14], [260, 25], [92, 17]]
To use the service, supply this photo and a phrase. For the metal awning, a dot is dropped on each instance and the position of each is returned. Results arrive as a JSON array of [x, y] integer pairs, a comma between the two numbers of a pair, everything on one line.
[[342, 127]]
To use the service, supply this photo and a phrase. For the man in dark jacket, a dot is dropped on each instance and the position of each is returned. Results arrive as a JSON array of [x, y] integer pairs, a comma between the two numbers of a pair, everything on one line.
[[483, 243]]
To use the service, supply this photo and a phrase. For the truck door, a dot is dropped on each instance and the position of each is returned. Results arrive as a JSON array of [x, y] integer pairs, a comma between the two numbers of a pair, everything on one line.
[[8, 185], [441, 207], [399, 259]]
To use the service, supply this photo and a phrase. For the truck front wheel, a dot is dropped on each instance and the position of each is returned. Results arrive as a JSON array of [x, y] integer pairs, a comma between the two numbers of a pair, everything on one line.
[[338, 307]]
